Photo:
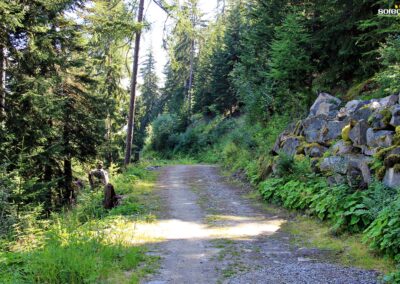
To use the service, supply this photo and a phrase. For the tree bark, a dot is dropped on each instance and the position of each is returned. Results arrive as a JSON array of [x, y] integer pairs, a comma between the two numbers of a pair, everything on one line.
[[190, 85], [131, 117], [2, 83]]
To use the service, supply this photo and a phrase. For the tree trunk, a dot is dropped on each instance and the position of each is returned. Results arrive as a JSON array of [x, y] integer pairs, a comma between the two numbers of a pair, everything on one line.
[[68, 191], [190, 85], [131, 117], [2, 83]]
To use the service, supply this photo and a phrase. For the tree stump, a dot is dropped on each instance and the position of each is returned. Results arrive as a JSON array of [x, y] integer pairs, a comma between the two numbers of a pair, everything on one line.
[[110, 198]]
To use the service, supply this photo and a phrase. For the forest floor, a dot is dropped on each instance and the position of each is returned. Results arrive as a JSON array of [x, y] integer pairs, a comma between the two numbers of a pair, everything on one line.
[[211, 231]]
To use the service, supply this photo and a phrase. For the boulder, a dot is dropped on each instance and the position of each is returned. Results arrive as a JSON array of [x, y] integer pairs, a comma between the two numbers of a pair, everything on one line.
[[389, 101], [381, 138], [395, 121], [363, 113], [358, 134], [342, 147], [380, 119], [325, 104], [354, 105], [290, 144], [334, 164], [318, 129], [277, 146], [392, 178], [312, 127], [333, 130]]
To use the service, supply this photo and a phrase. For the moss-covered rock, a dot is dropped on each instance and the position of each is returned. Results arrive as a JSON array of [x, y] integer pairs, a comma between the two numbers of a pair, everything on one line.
[[346, 132], [380, 173], [391, 160]]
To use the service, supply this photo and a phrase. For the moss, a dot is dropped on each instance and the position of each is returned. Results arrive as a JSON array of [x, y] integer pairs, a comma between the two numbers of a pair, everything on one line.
[[306, 145], [327, 154], [346, 132], [356, 90], [391, 160], [296, 130], [380, 173], [387, 115], [396, 137], [381, 154], [396, 168], [299, 158]]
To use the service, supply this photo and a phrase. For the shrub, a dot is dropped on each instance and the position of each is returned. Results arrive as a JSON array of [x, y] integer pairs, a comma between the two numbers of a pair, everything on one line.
[[383, 234], [165, 132]]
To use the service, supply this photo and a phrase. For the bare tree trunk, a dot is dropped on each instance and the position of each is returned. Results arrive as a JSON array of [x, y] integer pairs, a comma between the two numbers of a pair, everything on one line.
[[2, 83], [190, 85], [131, 117]]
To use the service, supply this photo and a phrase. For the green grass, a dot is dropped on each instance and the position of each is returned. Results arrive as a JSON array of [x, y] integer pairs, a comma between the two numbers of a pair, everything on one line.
[[345, 249], [88, 244]]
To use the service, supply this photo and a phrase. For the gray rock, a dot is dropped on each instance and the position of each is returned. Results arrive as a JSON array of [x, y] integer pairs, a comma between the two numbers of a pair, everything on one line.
[[336, 179], [381, 138], [368, 151], [290, 144], [354, 105], [358, 134], [325, 104], [335, 164], [395, 121], [389, 101], [395, 151], [358, 174], [312, 128], [333, 130], [392, 178], [277, 146], [321, 130], [342, 147], [377, 121], [363, 113], [315, 151]]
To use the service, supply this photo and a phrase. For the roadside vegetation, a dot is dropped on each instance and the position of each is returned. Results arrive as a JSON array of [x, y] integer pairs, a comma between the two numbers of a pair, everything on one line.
[[87, 244]]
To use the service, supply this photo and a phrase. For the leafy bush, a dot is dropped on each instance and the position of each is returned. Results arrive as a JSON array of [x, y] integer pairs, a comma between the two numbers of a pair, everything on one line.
[[164, 132], [297, 188], [383, 234]]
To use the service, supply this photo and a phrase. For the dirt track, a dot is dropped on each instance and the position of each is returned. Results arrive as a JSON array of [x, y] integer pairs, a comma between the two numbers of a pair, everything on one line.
[[210, 233]]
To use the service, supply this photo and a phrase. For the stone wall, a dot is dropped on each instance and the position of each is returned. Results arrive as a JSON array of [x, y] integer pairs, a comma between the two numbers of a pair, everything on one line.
[[350, 143]]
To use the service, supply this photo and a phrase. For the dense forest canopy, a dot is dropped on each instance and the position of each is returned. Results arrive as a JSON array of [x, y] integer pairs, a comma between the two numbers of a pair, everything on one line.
[[64, 104]]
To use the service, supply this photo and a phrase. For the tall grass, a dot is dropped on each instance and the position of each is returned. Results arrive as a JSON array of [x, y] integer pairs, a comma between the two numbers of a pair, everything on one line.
[[87, 244]]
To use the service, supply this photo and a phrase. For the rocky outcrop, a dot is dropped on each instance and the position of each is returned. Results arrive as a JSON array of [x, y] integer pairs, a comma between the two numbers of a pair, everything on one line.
[[344, 141]]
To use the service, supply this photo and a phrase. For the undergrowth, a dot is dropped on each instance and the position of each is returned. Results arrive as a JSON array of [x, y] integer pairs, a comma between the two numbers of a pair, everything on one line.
[[87, 244], [374, 213]]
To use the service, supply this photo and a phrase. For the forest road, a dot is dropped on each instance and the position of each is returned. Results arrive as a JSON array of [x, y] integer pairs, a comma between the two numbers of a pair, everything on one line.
[[211, 232]]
